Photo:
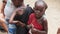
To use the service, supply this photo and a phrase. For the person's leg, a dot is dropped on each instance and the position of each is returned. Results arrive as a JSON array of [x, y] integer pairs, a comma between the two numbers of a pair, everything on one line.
[[12, 29], [3, 24]]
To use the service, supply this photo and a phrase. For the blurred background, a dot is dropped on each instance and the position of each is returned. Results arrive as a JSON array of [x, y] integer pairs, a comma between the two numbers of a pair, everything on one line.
[[52, 14]]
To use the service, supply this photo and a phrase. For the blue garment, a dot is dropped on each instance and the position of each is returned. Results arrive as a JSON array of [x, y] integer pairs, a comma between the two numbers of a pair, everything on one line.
[[12, 31], [11, 27]]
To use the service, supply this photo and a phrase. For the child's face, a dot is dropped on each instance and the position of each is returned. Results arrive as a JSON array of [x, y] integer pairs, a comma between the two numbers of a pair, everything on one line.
[[39, 11], [20, 11], [17, 2]]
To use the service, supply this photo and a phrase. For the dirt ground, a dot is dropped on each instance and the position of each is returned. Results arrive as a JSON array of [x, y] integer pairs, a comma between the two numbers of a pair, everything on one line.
[[52, 14]]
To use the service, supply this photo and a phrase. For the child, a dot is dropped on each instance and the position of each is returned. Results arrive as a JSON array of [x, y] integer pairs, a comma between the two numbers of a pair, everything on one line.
[[37, 19], [3, 6], [20, 17]]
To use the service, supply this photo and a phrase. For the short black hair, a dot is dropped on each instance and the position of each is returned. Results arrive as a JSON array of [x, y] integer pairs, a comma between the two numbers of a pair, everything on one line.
[[42, 2], [4, 1]]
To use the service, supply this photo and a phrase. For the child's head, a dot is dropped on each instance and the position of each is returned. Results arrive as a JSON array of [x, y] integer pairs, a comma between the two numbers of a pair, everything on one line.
[[17, 3], [39, 8], [20, 10]]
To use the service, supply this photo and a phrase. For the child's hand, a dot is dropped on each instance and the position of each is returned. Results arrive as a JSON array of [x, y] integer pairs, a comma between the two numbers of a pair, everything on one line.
[[30, 26], [21, 24], [13, 22], [34, 31]]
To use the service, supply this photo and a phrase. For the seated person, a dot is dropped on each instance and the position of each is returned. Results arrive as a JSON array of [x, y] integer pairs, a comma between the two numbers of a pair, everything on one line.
[[37, 19], [20, 17]]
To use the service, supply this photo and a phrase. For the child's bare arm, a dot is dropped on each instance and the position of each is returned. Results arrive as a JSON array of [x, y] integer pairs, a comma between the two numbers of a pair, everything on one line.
[[11, 21], [2, 22], [45, 31], [45, 24], [35, 31], [3, 6]]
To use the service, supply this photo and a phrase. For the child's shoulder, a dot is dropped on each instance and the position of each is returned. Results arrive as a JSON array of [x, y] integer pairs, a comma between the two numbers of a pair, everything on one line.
[[32, 15], [44, 18]]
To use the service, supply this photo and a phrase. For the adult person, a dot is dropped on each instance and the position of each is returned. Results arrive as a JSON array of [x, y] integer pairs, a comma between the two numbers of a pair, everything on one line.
[[8, 7]]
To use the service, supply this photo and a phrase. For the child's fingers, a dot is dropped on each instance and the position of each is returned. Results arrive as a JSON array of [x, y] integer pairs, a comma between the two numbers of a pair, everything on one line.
[[32, 25]]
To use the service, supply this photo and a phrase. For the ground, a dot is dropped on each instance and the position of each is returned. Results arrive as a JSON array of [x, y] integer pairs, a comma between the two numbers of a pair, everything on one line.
[[52, 14]]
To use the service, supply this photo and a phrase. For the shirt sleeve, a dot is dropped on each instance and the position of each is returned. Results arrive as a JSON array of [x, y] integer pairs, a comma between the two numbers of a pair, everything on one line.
[[30, 19]]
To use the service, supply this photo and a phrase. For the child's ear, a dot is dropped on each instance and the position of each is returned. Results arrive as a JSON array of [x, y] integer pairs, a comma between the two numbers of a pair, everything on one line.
[[33, 8], [44, 8]]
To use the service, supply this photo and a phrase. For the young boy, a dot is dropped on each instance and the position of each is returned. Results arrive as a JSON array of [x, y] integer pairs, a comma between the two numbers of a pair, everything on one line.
[[37, 19], [20, 17]]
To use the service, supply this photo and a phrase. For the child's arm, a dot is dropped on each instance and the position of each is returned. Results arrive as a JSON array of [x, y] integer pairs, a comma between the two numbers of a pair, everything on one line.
[[41, 32], [11, 21], [2, 22], [45, 24], [3, 6], [35, 31]]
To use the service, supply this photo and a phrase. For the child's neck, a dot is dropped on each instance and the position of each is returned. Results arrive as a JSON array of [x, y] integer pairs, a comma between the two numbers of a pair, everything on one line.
[[38, 17]]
